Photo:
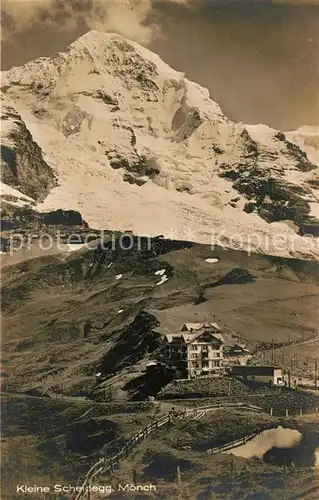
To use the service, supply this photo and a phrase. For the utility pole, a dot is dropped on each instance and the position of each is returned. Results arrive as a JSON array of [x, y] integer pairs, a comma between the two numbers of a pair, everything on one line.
[[111, 392], [174, 278], [293, 361], [272, 351]]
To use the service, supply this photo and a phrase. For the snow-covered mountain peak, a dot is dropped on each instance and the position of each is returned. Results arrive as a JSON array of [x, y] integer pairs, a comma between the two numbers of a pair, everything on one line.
[[136, 145]]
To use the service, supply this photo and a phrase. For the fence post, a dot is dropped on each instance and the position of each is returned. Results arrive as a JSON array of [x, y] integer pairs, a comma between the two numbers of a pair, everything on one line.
[[287, 413], [134, 476], [178, 474], [271, 412], [231, 470]]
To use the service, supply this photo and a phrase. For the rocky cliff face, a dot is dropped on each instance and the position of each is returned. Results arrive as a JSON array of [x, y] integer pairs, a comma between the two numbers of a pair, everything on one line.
[[137, 146], [22, 163]]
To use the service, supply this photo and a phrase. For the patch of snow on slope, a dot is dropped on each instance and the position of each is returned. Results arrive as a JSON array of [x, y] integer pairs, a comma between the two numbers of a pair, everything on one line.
[[160, 272], [314, 210], [262, 134], [163, 279], [20, 199], [73, 247]]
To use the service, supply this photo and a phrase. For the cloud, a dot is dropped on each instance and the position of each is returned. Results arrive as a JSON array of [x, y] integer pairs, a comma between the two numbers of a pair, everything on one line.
[[130, 18], [127, 17]]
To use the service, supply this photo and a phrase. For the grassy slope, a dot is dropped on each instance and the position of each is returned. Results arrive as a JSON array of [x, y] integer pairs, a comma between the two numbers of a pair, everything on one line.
[[47, 441]]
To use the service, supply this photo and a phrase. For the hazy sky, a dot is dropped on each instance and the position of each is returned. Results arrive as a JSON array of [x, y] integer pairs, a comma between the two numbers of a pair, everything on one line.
[[259, 59]]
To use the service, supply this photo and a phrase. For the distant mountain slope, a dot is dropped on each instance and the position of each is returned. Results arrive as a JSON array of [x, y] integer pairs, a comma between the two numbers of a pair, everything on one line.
[[135, 145], [307, 138], [69, 316]]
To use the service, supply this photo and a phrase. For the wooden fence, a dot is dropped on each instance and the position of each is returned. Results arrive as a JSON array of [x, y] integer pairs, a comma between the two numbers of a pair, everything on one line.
[[233, 444], [108, 465]]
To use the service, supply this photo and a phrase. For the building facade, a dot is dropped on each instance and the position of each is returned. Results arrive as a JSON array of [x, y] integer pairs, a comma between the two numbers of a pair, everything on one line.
[[270, 375], [196, 351]]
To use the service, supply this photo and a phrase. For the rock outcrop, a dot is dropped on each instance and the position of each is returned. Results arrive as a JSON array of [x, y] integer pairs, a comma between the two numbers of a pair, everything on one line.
[[22, 163]]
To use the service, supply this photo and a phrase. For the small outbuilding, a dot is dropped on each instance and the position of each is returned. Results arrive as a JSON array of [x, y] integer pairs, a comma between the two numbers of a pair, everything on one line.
[[271, 375], [238, 350]]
